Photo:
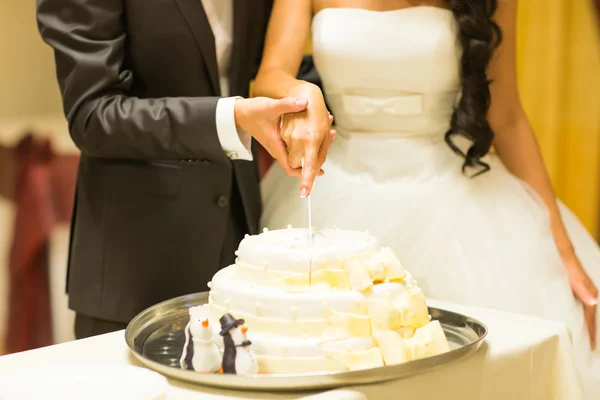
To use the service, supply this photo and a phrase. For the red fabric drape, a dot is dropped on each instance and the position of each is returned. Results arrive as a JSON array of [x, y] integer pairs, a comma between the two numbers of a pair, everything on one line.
[[29, 318], [43, 195]]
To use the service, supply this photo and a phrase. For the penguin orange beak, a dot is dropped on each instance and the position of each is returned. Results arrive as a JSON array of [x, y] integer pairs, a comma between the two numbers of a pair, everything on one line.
[[244, 329], [205, 323]]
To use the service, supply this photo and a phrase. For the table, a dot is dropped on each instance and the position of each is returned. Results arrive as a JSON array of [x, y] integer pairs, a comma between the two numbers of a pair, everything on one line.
[[522, 358]]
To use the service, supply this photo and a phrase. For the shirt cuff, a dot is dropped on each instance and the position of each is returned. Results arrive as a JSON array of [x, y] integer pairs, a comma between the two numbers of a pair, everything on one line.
[[236, 144]]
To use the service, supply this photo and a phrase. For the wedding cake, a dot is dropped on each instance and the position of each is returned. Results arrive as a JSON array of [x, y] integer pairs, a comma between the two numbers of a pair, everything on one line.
[[344, 303]]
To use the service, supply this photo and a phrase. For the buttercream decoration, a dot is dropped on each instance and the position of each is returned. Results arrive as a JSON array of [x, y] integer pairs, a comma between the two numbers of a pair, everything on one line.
[[289, 226], [237, 253], [415, 313], [246, 235], [330, 278], [367, 232], [405, 332], [384, 315], [376, 269], [295, 283], [209, 284], [238, 356], [362, 307], [428, 341], [357, 274], [343, 326], [394, 349], [265, 230], [201, 352]]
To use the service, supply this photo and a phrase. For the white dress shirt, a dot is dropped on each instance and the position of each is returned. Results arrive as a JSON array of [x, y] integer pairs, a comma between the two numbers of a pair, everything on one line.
[[220, 16]]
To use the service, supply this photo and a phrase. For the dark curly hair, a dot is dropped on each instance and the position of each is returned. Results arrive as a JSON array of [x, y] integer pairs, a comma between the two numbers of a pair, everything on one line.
[[479, 37]]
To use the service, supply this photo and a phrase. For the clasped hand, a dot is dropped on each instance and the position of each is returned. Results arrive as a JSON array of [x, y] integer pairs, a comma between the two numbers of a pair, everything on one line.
[[291, 129], [308, 136]]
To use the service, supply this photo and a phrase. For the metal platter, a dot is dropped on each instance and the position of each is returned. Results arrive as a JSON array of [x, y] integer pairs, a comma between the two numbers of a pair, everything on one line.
[[156, 338]]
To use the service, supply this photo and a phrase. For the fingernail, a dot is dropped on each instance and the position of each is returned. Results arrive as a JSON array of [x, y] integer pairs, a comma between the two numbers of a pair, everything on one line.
[[300, 102], [303, 193]]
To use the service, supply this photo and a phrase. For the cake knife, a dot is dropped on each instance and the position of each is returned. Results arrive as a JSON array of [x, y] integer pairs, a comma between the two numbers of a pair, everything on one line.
[[310, 231]]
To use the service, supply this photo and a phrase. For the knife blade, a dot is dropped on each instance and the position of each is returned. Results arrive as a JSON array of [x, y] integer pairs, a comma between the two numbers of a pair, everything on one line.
[[310, 232]]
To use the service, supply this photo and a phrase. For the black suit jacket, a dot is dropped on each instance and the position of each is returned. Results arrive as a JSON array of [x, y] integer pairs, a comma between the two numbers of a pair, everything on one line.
[[139, 83]]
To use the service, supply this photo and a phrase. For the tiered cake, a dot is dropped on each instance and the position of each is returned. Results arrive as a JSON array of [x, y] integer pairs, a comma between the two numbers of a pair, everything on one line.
[[346, 304]]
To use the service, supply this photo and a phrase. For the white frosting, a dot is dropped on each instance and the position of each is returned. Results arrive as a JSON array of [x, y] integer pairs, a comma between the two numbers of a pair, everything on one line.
[[288, 250], [353, 307]]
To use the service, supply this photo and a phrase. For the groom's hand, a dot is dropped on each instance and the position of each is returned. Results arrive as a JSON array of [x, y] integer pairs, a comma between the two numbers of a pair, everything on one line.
[[260, 117]]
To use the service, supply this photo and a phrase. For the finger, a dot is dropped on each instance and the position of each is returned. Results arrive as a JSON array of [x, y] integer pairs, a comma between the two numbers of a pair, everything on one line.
[[279, 152], [332, 134], [289, 105], [589, 313], [310, 169], [286, 129], [324, 149], [295, 153], [330, 119]]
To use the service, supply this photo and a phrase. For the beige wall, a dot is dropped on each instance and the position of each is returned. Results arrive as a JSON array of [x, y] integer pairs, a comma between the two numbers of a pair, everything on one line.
[[27, 78]]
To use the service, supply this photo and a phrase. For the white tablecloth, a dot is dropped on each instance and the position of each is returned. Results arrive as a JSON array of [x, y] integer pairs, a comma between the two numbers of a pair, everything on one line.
[[522, 358]]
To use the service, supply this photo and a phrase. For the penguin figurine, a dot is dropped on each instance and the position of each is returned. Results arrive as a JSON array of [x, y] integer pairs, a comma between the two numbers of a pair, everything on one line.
[[238, 357], [200, 352]]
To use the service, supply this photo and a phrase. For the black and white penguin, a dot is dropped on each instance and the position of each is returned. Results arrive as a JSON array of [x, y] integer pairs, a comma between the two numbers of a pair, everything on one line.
[[238, 357]]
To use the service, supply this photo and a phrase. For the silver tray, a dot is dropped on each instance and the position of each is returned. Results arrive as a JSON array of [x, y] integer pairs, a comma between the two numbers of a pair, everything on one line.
[[156, 338]]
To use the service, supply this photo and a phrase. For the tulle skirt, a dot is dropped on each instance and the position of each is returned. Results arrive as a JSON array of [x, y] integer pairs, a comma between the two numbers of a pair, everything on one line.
[[484, 241]]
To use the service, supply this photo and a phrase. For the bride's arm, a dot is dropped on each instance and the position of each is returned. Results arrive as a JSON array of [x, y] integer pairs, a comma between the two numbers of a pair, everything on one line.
[[307, 134], [287, 35], [515, 140], [516, 145]]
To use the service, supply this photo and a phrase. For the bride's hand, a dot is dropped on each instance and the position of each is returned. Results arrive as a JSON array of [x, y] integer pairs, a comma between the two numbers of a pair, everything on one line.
[[308, 134], [585, 291]]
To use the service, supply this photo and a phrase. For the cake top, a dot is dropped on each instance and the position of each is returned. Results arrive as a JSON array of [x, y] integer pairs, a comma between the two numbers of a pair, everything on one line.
[[338, 260], [286, 249]]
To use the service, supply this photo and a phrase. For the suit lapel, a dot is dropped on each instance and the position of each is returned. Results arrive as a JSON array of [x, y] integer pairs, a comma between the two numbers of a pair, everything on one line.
[[241, 41], [196, 18]]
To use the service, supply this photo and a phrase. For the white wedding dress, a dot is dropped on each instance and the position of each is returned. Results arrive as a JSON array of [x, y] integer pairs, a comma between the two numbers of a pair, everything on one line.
[[391, 79]]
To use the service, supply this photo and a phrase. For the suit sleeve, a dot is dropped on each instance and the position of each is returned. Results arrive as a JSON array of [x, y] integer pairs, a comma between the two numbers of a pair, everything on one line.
[[88, 38]]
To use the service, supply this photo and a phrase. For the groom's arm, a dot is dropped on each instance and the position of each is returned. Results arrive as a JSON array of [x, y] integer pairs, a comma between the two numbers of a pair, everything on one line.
[[88, 37]]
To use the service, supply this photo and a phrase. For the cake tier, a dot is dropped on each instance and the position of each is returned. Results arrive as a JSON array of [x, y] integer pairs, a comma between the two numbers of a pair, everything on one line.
[[319, 330], [343, 304], [273, 255], [338, 260]]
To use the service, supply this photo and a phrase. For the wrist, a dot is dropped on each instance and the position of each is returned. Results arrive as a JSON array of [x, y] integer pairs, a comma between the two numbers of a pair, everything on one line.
[[563, 243], [306, 90], [240, 113]]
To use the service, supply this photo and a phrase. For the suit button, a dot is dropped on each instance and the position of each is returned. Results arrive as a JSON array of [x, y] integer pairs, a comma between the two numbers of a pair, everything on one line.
[[222, 201]]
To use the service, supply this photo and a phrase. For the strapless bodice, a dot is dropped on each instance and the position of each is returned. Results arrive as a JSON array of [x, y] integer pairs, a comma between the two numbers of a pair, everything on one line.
[[393, 72]]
